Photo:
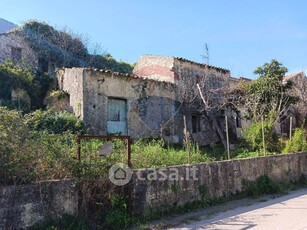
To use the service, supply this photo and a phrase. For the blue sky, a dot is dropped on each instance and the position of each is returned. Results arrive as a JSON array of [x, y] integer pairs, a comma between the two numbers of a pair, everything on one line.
[[241, 35]]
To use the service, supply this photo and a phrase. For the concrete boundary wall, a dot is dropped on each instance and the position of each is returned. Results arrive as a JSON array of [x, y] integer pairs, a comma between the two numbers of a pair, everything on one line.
[[221, 178], [22, 206]]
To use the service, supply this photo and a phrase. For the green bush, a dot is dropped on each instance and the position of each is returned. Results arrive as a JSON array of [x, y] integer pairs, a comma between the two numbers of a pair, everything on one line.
[[253, 136], [55, 122], [58, 94], [263, 185], [118, 217], [298, 143], [15, 148], [39, 86], [28, 156], [34, 83]]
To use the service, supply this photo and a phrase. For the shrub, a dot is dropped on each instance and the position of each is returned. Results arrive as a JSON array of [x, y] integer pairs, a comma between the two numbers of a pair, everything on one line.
[[58, 94], [55, 122], [34, 83], [298, 142], [14, 147], [118, 217], [27, 156], [263, 185], [253, 136]]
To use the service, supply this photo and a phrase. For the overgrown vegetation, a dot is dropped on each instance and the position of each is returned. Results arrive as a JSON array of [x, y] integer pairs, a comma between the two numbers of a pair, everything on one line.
[[67, 48], [67, 222], [263, 185], [40, 140], [41, 145], [119, 217], [298, 142], [14, 78], [50, 121], [58, 94], [154, 154], [253, 136], [34, 147], [268, 96], [33, 154]]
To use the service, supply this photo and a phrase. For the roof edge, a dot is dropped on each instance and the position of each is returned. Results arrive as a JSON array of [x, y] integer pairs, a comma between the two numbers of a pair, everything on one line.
[[192, 62], [131, 76]]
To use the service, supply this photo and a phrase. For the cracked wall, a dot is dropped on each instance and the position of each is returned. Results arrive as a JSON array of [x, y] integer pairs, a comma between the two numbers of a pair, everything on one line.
[[151, 105]]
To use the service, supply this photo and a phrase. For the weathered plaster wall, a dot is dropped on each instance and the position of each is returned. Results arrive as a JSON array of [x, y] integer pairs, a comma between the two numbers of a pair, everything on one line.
[[150, 103], [185, 68], [185, 74], [172, 69], [158, 93], [12, 40], [209, 78], [71, 81], [159, 68], [22, 206], [219, 178]]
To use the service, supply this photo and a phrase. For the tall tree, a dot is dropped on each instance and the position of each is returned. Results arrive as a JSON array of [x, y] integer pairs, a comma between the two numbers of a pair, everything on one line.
[[267, 96]]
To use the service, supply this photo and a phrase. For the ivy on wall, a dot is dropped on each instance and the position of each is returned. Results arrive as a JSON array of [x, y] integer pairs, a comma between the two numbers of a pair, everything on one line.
[[33, 82]]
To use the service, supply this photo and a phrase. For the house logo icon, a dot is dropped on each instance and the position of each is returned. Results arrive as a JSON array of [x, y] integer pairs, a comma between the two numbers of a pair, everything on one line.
[[120, 174]]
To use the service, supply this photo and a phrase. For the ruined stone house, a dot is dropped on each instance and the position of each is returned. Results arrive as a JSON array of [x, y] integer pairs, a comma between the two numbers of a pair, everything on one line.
[[151, 102], [297, 113], [15, 47]]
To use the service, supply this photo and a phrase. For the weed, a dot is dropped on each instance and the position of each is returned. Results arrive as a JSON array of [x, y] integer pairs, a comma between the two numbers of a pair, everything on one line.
[[67, 222], [203, 190], [263, 185], [174, 188], [298, 142], [118, 217]]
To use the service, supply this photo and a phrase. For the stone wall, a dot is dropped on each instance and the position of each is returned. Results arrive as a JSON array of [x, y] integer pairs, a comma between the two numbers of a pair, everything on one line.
[[22, 206], [172, 69], [151, 105], [185, 74], [158, 93], [157, 96], [71, 81], [219, 178]]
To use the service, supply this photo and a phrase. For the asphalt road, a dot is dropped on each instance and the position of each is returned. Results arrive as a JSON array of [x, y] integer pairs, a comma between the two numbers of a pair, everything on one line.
[[288, 212]]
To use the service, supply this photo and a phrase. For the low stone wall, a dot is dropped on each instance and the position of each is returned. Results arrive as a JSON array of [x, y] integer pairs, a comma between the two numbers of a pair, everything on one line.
[[215, 179], [151, 190], [22, 206]]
